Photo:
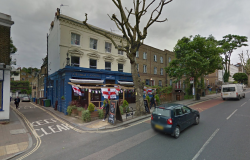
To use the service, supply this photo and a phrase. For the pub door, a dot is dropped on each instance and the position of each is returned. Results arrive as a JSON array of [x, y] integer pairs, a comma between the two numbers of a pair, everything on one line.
[[83, 100], [96, 97]]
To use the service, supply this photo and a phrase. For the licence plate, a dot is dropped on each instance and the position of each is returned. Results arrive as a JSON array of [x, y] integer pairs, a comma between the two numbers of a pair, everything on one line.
[[225, 94], [158, 127]]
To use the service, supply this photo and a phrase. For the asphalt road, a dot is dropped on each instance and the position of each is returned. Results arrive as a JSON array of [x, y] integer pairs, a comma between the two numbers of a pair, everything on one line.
[[223, 134]]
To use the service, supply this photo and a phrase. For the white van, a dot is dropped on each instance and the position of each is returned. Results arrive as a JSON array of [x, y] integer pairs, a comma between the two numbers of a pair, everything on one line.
[[232, 91]]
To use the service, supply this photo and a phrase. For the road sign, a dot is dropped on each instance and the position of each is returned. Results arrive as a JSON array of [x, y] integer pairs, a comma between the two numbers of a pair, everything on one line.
[[192, 78]]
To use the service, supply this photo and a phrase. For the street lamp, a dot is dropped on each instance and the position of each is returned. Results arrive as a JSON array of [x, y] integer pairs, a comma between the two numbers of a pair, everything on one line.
[[67, 60]]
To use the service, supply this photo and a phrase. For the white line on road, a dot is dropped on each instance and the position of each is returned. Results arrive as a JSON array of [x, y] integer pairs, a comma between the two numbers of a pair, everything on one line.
[[231, 114], [203, 147], [243, 104]]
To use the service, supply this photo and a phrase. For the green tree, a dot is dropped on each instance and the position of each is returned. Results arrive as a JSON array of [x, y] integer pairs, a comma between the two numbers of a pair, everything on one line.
[[229, 43], [13, 49], [195, 56], [240, 77], [133, 37]]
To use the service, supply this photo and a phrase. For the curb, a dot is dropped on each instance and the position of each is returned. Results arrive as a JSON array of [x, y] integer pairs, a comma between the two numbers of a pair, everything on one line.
[[29, 136]]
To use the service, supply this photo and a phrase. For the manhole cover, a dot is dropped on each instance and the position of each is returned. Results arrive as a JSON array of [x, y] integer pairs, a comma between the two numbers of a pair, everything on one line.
[[17, 131]]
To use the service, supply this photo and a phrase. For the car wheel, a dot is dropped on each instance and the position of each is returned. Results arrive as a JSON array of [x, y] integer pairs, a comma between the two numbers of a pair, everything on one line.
[[244, 96], [224, 99], [176, 133], [197, 120]]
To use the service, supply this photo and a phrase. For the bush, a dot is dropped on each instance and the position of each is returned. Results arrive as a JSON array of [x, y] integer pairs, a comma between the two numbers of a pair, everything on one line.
[[100, 113], [63, 98], [188, 96], [157, 100], [91, 107], [121, 110], [147, 97], [70, 108], [86, 116], [125, 103], [80, 109]]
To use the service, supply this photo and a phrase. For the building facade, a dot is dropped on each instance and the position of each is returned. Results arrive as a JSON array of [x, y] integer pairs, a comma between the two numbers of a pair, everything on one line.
[[76, 55], [5, 30], [151, 63], [15, 74]]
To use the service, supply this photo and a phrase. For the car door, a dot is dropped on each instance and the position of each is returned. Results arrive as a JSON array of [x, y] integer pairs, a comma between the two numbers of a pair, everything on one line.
[[189, 115], [180, 118]]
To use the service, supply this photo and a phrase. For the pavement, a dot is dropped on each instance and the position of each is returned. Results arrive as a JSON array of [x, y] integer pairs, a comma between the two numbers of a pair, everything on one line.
[[15, 138], [98, 125]]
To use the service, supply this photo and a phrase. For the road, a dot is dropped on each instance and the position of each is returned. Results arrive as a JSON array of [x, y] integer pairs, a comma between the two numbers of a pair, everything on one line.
[[223, 134]]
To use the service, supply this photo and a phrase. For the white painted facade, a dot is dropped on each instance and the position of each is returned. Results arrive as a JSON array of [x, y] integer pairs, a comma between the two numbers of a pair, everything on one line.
[[15, 77], [233, 70], [59, 44]]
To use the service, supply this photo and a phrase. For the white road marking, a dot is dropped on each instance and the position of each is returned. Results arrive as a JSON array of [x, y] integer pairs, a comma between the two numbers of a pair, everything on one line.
[[243, 104], [206, 143], [231, 114]]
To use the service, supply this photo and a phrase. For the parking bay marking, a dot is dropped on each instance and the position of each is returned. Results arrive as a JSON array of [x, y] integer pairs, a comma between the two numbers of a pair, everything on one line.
[[243, 104], [206, 143]]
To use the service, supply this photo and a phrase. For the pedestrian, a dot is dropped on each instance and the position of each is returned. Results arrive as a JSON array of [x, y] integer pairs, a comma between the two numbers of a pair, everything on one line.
[[106, 106], [152, 101], [17, 101]]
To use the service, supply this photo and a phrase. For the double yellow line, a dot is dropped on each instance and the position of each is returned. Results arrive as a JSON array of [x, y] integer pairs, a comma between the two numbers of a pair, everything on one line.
[[38, 139]]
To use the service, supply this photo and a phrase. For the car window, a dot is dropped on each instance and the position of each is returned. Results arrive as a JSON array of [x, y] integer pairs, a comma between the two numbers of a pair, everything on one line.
[[186, 109], [178, 111], [163, 112], [229, 89]]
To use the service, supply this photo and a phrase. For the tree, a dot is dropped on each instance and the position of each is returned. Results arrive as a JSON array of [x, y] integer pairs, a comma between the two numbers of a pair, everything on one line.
[[229, 43], [245, 62], [240, 77], [133, 37], [195, 56], [13, 49]]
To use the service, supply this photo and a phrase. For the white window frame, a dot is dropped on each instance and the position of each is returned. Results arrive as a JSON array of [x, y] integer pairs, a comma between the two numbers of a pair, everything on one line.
[[155, 70], [137, 54], [161, 71], [169, 59], [144, 55], [122, 67], [161, 59], [155, 58], [144, 68], [160, 84], [75, 39], [120, 52], [108, 47], [91, 47]]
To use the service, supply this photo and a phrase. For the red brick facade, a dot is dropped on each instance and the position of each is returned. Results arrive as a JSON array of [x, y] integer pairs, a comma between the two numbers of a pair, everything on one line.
[[5, 45]]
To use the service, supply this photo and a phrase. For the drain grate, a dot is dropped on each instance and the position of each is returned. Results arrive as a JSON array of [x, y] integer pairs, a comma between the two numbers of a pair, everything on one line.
[[17, 131]]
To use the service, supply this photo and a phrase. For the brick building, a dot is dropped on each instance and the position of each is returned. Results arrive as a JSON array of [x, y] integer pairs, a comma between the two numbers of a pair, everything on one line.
[[151, 63], [5, 28]]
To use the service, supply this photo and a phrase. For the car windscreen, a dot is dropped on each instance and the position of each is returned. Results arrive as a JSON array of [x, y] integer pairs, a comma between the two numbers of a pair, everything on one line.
[[163, 112], [229, 89]]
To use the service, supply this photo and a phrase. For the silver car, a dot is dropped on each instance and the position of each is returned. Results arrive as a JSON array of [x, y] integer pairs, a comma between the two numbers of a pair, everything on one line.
[[25, 99]]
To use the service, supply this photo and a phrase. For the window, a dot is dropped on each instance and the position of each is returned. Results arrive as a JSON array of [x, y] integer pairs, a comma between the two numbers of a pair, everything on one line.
[[169, 59], [12, 79], [23, 79], [144, 68], [160, 83], [161, 111], [120, 67], [75, 61], [161, 59], [108, 47], [170, 82], [161, 71], [29, 76], [23, 73], [75, 39], [185, 109], [178, 111], [229, 89], [120, 52], [155, 70], [137, 54], [155, 58], [137, 67], [147, 82], [93, 43], [92, 63], [144, 55], [108, 66]]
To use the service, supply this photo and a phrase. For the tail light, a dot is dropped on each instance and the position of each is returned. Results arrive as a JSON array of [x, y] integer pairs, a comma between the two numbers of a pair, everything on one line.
[[169, 121], [152, 117]]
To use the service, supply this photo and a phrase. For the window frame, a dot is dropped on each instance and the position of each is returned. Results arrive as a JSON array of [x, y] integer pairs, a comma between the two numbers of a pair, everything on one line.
[[161, 71], [120, 64], [161, 59], [71, 61], [169, 59], [155, 58], [144, 68], [76, 39], [119, 51], [90, 43], [155, 70], [106, 47], [159, 83], [137, 54], [90, 63], [144, 55], [106, 67]]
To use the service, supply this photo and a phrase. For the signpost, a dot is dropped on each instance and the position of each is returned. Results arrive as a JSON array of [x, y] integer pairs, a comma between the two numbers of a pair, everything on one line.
[[114, 112], [146, 106]]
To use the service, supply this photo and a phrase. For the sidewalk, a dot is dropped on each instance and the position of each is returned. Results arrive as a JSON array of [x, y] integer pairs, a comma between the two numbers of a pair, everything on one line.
[[98, 124], [15, 138]]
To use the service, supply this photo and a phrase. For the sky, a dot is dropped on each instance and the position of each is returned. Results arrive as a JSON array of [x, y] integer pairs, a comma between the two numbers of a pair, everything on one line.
[[32, 20]]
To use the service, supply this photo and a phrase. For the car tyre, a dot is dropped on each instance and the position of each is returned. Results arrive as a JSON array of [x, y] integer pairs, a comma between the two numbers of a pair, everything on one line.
[[224, 99], [244, 96], [197, 120], [176, 133]]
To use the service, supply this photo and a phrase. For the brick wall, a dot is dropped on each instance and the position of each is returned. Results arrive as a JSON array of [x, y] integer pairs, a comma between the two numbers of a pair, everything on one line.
[[5, 45]]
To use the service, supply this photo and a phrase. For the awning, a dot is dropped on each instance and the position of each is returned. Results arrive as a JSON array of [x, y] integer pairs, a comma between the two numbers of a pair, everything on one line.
[[127, 83], [86, 81]]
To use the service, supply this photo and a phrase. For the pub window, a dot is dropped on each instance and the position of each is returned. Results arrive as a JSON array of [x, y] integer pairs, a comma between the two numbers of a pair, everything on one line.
[[75, 61], [108, 66], [120, 67], [75, 39], [108, 47], [93, 43], [92, 64]]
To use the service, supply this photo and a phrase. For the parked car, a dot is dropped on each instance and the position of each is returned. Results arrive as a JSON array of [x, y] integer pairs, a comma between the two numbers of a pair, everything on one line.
[[25, 99], [174, 118], [232, 91]]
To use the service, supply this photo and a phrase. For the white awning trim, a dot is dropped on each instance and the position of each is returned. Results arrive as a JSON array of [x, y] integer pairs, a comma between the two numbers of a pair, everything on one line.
[[86, 81], [124, 82]]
